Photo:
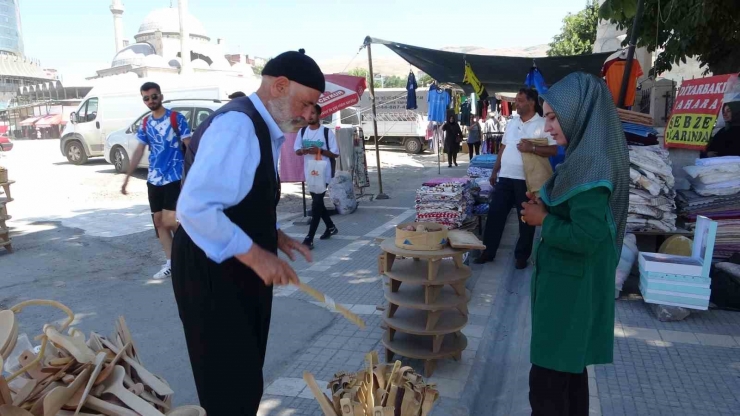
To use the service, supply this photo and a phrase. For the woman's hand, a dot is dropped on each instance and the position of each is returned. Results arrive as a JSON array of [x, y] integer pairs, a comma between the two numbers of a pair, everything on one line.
[[534, 211]]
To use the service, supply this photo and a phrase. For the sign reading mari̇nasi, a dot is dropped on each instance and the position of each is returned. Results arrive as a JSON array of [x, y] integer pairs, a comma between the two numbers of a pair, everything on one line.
[[695, 112]]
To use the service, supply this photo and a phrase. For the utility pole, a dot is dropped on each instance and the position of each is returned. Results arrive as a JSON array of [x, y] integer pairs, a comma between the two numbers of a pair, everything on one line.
[[380, 195], [631, 53]]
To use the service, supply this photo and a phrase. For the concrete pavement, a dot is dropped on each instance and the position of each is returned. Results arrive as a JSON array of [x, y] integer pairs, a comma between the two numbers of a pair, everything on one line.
[[96, 255]]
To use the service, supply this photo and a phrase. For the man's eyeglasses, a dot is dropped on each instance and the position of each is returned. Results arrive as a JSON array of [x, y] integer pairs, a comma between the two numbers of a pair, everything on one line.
[[154, 97]]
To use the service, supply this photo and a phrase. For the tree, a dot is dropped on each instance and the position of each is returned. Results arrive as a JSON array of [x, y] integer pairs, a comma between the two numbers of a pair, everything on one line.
[[705, 29], [362, 72], [258, 68], [425, 80], [578, 34]]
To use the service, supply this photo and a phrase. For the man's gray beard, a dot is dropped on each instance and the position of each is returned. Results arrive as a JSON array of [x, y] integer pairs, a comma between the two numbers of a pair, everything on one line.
[[280, 111]]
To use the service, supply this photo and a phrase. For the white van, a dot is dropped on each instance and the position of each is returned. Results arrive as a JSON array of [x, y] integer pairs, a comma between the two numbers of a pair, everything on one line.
[[111, 106]]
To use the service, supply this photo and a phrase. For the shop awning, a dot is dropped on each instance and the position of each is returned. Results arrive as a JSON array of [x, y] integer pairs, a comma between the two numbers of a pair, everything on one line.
[[50, 120], [30, 121], [496, 73]]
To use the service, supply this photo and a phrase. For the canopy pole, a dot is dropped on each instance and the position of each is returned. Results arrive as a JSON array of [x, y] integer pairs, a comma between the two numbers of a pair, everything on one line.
[[380, 195], [630, 53]]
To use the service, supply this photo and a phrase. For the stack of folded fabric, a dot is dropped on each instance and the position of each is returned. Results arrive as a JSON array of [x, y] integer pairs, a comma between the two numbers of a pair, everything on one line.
[[446, 201], [715, 193], [716, 176], [638, 128], [481, 166], [652, 196]]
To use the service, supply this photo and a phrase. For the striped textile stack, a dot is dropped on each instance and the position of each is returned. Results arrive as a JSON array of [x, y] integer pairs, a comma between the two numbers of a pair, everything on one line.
[[446, 201]]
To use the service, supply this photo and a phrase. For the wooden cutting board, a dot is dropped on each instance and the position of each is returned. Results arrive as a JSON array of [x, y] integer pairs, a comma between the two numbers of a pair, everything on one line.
[[464, 240], [7, 328]]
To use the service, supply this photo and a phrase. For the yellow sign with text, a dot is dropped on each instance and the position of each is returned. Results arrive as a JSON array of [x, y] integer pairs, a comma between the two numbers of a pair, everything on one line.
[[689, 131]]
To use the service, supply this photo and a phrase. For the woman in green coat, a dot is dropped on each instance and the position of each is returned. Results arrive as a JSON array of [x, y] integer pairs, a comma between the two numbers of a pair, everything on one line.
[[583, 212]]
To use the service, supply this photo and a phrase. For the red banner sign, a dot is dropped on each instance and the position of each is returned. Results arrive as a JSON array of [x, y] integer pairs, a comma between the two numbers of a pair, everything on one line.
[[695, 111]]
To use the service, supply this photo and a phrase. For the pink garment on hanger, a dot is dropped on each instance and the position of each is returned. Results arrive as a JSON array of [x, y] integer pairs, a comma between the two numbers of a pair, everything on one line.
[[291, 165]]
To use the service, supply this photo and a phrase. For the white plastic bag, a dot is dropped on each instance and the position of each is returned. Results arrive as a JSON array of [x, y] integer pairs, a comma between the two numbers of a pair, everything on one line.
[[626, 260], [315, 176], [342, 193]]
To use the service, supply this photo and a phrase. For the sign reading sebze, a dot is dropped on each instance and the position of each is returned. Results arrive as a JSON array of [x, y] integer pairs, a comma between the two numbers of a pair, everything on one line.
[[695, 111]]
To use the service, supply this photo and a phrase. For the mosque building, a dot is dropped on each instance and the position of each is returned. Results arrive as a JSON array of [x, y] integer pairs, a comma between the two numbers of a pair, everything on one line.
[[158, 46]]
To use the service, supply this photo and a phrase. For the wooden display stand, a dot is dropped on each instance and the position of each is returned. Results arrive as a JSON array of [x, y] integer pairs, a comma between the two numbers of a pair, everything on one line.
[[428, 304], [5, 240]]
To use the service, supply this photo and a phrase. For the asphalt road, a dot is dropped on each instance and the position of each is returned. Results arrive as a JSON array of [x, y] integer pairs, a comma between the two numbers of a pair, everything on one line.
[[102, 278]]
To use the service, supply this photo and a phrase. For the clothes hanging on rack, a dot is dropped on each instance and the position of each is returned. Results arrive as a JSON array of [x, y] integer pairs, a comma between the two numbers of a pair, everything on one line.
[[411, 87], [505, 108], [465, 114], [483, 109], [438, 100], [613, 71], [536, 80]]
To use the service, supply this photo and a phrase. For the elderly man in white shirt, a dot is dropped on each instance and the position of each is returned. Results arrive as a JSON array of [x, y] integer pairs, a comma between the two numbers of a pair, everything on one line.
[[510, 187]]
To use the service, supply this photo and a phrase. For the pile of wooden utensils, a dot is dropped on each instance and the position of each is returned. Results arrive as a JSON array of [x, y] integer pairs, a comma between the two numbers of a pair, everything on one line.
[[74, 376], [378, 390]]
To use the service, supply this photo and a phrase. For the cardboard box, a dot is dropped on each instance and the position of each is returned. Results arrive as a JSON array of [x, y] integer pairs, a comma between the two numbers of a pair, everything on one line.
[[421, 241]]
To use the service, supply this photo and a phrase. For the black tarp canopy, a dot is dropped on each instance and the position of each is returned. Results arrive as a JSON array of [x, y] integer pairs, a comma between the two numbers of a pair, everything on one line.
[[497, 73]]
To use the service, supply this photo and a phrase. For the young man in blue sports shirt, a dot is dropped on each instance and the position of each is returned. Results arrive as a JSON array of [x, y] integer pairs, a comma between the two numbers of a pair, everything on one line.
[[165, 132]]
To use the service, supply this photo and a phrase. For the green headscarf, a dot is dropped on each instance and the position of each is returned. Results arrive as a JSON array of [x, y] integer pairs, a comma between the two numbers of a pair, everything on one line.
[[597, 153]]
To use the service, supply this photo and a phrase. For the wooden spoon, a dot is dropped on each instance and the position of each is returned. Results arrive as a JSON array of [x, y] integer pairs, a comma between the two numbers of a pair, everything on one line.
[[99, 359], [11, 344], [24, 392], [114, 385], [110, 367], [5, 397], [7, 328], [10, 410], [93, 403], [74, 345], [26, 358], [187, 411], [71, 413], [54, 401], [148, 378]]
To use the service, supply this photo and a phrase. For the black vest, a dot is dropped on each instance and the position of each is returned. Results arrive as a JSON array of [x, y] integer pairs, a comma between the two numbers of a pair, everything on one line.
[[255, 214]]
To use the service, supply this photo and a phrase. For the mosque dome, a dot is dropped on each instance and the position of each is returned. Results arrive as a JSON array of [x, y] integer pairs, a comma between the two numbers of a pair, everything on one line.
[[221, 64], [156, 61], [133, 55], [200, 64], [167, 20], [242, 68]]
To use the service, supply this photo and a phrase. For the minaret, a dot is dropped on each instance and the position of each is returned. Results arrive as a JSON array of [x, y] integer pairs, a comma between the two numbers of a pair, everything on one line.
[[116, 8], [184, 37]]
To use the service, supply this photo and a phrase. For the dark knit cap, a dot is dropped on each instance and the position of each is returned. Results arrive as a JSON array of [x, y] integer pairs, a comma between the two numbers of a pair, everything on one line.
[[297, 67]]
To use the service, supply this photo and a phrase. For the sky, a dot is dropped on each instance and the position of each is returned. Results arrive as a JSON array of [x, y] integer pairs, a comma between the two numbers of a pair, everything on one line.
[[76, 36]]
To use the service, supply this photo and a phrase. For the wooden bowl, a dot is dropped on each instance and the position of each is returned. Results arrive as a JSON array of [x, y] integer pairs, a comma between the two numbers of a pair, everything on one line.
[[187, 411]]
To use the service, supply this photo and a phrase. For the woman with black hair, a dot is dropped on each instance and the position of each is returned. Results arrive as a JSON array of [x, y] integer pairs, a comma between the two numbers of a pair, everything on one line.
[[727, 141]]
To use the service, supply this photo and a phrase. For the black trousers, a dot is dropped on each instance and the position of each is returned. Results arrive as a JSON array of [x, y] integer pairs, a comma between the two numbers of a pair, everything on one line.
[[507, 194], [318, 213], [225, 311], [471, 147], [554, 393], [452, 158]]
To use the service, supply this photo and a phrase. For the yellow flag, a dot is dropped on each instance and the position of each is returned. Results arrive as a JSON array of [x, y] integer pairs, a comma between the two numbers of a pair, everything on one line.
[[471, 79]]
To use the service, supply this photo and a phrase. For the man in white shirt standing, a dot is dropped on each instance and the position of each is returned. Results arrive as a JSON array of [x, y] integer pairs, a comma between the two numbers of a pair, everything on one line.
[[510, 187], [312, 140]]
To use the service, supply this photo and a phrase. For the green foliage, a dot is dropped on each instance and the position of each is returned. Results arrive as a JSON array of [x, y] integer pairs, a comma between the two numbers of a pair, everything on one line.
[[706, 29], [362, 72], [425, 80], [578, 33]]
